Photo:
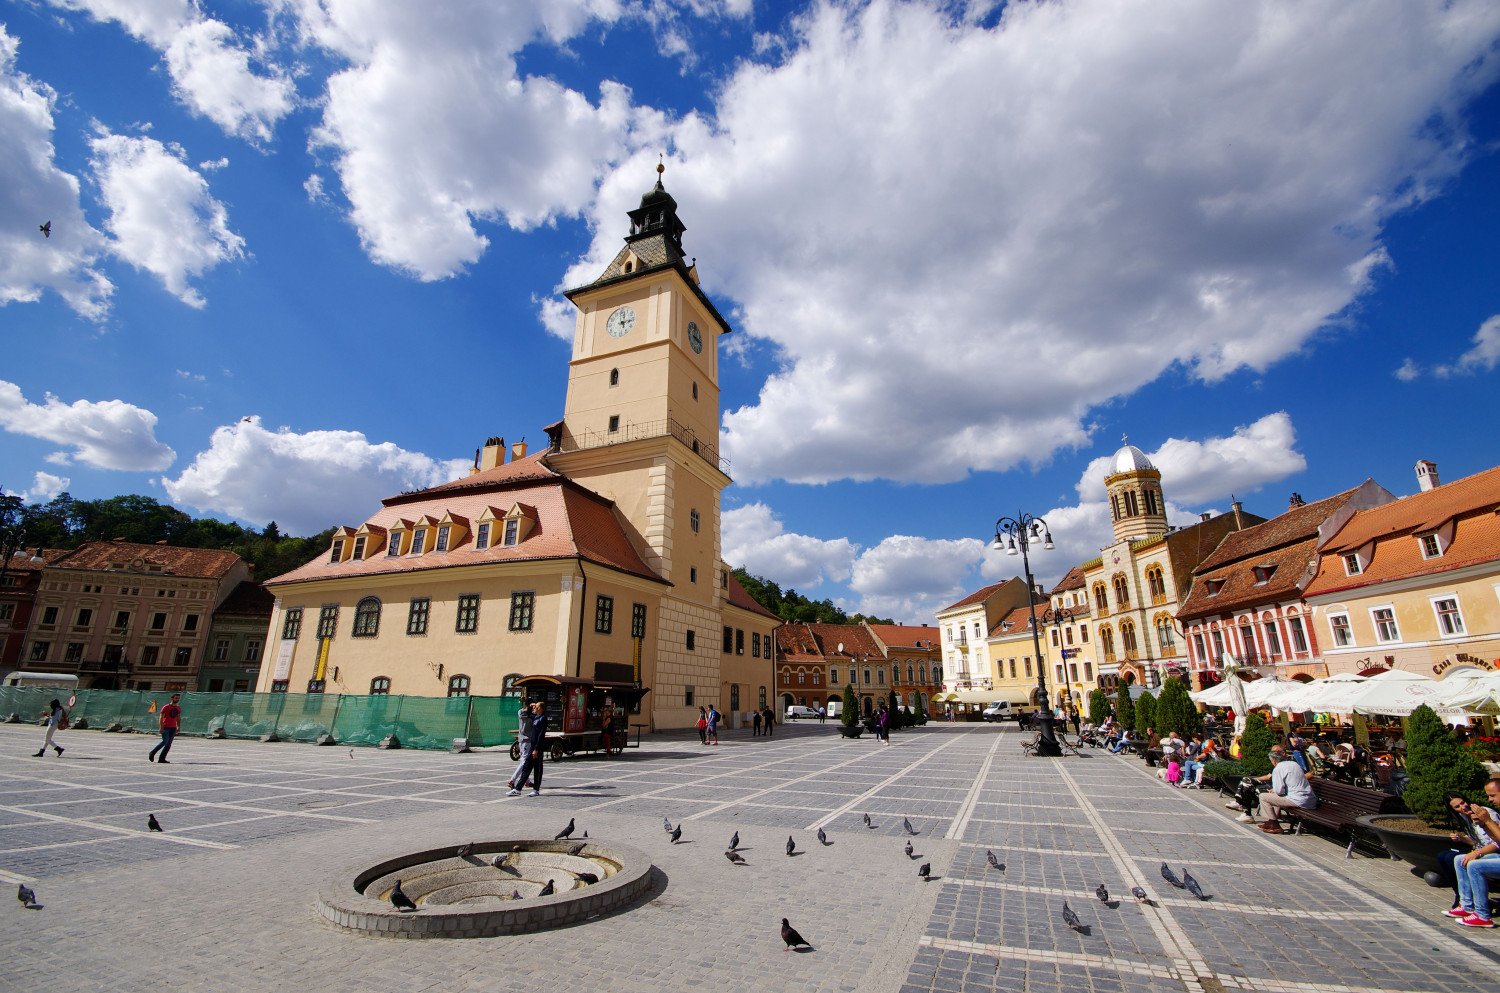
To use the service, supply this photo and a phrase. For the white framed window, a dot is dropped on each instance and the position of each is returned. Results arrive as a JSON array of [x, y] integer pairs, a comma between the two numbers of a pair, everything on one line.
[[1338, 626], [1450, 618], [1273, 639], [512, 531], [1386, 629], [1299, 635], [1352, 564], [1432, 546]]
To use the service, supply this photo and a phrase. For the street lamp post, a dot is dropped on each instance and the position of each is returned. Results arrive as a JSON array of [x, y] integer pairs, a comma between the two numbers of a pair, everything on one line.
[[1013, 535]]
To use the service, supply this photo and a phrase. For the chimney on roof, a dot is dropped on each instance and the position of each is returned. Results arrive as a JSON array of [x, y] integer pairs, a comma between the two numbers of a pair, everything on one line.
[[1204, 517], [1239, 518], [1427, 475], [492, 455], [1296, 502], [518, 450]]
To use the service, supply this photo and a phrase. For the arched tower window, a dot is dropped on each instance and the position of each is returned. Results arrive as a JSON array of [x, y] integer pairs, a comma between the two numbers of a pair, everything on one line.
[[367, 618]]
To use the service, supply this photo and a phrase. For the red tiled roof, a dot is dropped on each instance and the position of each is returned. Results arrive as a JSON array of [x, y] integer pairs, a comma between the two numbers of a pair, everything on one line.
[[532, 468], [192, 563], [1470, 504], [796, 642], [979, 596], [816, 642], [906, 635], [1072, 581], [22, 560], [742, 599], [1294, 525], [570, 522]]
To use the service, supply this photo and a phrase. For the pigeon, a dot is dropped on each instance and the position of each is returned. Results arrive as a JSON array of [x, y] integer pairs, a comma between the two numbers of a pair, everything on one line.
[[676, 834], [925, 870], [1192, 885], [1070, 918], [499, 861], [399, 899], [736, 858], [587, 878], [734, 842], [1102, 894], [577, 847], [45, 229], [989, 857], [791, 846], [1171, 877], [462, 851], [907, 824], [822, 837], [351, 753], [908, 849], [515, 894], [867, 821], [666, 825], [790, 936], [565, 832], [548, 890], [151, 824], [1139, 894], [25, 894]]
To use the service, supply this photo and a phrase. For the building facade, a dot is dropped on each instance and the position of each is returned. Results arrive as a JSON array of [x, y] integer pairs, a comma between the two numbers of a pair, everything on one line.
[[970, 673], [597, 557], [915, 659], [237, 640], [20, 578]]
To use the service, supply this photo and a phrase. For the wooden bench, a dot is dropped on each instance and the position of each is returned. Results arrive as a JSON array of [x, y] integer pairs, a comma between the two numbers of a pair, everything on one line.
[[1339, 807]]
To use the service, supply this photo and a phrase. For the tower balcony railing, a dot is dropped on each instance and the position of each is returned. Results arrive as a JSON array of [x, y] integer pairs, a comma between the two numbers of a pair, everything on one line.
[[642, 430]]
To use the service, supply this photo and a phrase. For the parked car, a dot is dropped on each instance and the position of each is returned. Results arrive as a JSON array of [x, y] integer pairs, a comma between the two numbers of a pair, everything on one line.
[[798, 713], [1004, 710]]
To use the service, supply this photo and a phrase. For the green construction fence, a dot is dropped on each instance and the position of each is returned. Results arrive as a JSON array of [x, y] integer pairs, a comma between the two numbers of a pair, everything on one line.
[[416, 721]]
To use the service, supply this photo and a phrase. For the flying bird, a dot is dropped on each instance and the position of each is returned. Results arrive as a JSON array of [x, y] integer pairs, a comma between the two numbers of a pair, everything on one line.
[[588, 878], [462, 851], [791, 846], [735, 857], [734, 842], [1171, 877], [907, 824], [676, 834], [45, 229], [989, 857], [26, 895], [151, 823], [399, 899], [1139, 894], [666, 825], [1192, 885], [908, 849], [565, 832], [822, 837], [791, 937], [1071, 919], [1102, 894], [867, 821], [925, 870], [548, 890]]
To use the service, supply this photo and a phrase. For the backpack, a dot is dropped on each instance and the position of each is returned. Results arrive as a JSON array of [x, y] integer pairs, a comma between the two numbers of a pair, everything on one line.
[[62, 722]]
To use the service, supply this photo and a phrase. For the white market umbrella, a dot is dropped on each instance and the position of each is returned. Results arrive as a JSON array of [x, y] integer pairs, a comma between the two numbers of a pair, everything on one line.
[[1395, 692], [1472, 691], [1320, 695]]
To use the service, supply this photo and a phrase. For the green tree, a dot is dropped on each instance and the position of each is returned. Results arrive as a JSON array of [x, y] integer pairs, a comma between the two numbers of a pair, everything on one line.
[[849, 711], [1437, 765], [919, 712], [1145, 713], [1255, 746], [897, 718], [1125, 708], [1098, 707], [1175, 710]]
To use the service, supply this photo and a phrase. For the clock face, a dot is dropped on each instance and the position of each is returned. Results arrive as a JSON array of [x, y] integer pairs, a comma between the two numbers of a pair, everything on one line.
[[620, 322], [694, 337]]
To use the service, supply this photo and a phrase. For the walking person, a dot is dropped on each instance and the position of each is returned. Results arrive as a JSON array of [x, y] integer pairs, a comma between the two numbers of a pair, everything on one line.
[[702, 726], [57, 720], [523, 718], [533, 745], [822, 714], [755, 724], [770, 720], [170, 719], [883, 723], [713, 726]]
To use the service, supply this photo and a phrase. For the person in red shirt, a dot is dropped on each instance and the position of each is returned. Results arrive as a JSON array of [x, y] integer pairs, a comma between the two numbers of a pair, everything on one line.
[[171, 718]]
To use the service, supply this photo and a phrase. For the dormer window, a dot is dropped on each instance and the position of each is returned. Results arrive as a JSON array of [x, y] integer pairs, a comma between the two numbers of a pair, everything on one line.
[[442, 539], [394, 547], [482, 536], [1432, 546], [1263, 574], [1352, 564], [1213, 586], [359, 548], [512, 532], [338, 550], [418, 541]]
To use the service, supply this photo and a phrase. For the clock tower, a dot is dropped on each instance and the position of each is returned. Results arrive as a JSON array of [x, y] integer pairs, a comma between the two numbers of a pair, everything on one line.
[[641, 427]]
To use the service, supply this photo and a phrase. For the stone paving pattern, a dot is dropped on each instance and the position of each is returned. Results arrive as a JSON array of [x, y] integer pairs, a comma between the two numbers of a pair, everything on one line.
[[225, 898]]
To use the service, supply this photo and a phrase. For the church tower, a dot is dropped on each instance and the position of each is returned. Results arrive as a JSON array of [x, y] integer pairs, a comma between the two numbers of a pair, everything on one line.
[[1136, 505], [641, 427]]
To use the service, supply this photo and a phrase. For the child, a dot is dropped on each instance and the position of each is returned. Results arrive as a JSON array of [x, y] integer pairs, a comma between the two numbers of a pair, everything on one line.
[[1173, 775]]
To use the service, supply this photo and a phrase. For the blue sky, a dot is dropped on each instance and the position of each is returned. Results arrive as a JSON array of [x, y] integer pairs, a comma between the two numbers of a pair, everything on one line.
[[308, 253]]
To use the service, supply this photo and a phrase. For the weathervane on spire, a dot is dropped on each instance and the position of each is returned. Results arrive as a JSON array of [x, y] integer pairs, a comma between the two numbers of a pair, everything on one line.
[[1124, 439]]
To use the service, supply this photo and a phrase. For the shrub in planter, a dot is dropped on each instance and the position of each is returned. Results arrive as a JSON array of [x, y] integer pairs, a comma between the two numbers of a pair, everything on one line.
[[1255, 746], [919, 713], [1124, 708], [1098, 707], [849, 711], [896, 721], [1145, 714], [1220, 770], [1437, 764], [1175, 710]]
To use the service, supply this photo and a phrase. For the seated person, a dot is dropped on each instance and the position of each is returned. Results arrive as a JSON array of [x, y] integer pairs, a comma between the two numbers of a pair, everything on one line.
[[1172, 745], [1153, 747], [1289, 788], [1472, 872], [1297, 747], [1122, 742], [1192, 762]]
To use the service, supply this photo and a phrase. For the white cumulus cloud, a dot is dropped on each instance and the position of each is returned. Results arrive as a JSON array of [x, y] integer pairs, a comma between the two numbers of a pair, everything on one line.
[[305, 481], [46, 486], [909, 578], [34, 192], [105, 434], [1482, 357], [754, 539], [163, 219]]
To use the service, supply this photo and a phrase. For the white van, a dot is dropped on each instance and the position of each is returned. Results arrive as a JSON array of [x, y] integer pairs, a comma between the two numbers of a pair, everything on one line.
[[800, 713], [1003, 710]]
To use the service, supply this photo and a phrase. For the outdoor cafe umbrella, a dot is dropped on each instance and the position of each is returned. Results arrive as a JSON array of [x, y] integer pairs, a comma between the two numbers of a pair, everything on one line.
[[1395, 692], [1320, 695], [1472, 691]]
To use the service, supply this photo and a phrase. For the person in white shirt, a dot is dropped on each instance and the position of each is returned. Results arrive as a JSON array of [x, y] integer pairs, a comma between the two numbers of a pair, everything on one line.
[[1289, 788]]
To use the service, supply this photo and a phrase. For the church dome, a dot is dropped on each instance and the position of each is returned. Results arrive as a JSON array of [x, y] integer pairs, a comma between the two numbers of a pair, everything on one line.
[[1129, 459]]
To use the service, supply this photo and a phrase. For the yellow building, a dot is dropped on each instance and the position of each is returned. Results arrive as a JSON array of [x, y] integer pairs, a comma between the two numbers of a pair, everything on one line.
[[969, 674], [597, 557], [1414, 584]]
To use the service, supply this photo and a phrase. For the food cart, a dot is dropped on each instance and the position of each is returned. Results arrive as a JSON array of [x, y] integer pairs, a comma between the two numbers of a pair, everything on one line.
[[583, 715]]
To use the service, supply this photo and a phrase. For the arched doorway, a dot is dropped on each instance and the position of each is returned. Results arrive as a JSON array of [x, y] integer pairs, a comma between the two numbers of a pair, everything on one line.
[[786, 701], [868, 706]]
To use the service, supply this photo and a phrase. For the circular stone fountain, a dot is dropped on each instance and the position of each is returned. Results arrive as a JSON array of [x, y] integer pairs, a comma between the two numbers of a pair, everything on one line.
[[469, 897]]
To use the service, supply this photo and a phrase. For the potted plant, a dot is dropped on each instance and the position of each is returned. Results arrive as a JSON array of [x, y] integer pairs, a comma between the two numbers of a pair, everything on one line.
[[1436, 764], [1145, 714], [849, 725], [1098, 707], [1254, 759], [1484, 748], [1175, 710], [1124, 708]]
